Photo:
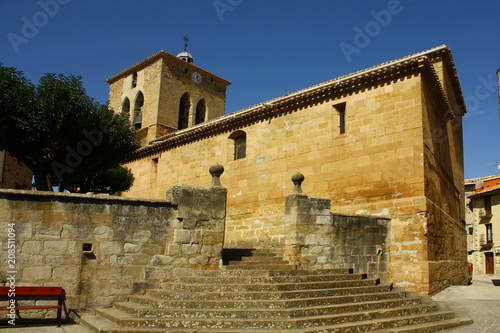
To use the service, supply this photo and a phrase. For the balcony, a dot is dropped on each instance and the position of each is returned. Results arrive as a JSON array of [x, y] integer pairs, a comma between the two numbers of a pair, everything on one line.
[[484, 212], [485, 241]]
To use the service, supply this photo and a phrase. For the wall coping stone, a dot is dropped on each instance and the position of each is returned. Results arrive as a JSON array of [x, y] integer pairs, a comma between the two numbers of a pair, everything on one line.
[[61, 196]]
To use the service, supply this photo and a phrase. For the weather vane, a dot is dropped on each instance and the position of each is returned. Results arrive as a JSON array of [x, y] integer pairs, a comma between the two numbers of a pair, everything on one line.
[[186, 40]]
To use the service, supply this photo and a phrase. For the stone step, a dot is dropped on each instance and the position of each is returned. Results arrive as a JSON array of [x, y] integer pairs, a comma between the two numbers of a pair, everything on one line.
[[269, 279], [261, 287], [263, 295], [427, 327], [126, 319], [394, 323], [283, 272], [426, 323], [163, 303], [146, 311]]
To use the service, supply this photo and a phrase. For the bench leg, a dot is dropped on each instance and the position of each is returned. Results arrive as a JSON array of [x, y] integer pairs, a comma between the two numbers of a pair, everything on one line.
[[59, 312]]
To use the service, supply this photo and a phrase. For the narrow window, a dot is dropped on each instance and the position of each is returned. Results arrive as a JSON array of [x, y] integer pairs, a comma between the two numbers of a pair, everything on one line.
[[139, 103], [134, 80], [239, 139], [184, 106], [489, 234], [341, 110], [200, 112], [154, 168]]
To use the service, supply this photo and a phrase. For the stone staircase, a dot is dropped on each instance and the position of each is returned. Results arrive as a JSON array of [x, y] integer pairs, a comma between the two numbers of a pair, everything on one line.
[[259, 292]]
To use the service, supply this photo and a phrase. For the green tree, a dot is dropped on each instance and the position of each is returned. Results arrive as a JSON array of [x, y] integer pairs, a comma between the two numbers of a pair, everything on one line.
[[110, 181], [56, 129]]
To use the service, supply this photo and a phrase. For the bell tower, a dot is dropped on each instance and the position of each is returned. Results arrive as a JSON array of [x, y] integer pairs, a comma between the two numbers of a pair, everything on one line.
[[166, 93]]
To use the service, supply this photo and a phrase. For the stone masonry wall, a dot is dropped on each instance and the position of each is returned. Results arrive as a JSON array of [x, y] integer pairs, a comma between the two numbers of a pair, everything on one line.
[[315, 238], [102, 249]]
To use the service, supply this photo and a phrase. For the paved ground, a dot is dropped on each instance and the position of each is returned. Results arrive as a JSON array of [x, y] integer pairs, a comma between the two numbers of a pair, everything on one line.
[[480, 301]]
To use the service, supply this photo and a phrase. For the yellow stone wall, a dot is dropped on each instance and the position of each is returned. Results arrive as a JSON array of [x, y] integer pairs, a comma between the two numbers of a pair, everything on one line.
[[400, 158]]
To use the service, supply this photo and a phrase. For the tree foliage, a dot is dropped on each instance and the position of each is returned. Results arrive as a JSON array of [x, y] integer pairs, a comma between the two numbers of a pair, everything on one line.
[[56, 129], [110, 181]]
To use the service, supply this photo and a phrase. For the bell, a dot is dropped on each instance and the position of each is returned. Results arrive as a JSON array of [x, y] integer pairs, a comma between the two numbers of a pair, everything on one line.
[[138, 121]]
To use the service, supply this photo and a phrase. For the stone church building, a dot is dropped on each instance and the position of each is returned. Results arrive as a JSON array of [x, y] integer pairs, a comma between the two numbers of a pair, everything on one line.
[[385, 141]]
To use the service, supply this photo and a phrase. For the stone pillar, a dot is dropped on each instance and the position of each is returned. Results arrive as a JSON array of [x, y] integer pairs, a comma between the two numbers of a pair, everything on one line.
[[202, 216], [305, 221]]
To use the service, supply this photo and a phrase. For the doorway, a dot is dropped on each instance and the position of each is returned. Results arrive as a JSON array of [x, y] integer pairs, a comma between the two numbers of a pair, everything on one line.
[[490, 266]]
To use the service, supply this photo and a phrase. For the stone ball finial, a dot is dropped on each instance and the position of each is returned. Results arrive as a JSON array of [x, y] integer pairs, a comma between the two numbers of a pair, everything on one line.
[[216, 171], [297, 180]]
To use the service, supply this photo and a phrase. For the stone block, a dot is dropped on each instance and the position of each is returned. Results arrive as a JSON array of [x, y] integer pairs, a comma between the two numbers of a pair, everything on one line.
[[317, 249], [173, 249], [59, 259], [103, 233], [203, 260], [158, 273], [159, 259], [55, 246], [324, 219], [52, 231], [190, 249], [207, 249], [135, 273], [311, 239], [142, 236], [321, 260], [102, 273], [119, 260], [120, 287], [131, 248], [182, 236], [31, 247], [214, 238], [26, 259], [182, 271], [39, 273], [109, 248], [66, 273]]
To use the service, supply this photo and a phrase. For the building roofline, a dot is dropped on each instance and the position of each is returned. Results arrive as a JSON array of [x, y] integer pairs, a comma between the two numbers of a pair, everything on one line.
[[156, 56], [475, 180], [383, 70], [492, 191]]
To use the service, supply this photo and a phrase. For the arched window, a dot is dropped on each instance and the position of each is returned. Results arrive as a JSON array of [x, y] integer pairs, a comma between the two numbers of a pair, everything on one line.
[[126, 107], [138, 106], [201, 109], [239, 140], [184, 106]]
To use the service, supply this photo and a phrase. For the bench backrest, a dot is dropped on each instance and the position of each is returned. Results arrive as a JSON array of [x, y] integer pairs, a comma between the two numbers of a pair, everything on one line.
[[24, 291]]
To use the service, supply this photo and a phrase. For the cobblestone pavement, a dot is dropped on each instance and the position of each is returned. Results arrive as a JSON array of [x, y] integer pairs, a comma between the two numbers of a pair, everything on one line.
[[480, 301]]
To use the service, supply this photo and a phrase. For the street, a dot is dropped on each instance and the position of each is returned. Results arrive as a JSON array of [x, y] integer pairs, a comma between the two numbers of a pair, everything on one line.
[[480, 301]]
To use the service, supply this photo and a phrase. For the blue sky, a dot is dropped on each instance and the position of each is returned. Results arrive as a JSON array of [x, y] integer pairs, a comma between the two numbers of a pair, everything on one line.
[[266, 48]]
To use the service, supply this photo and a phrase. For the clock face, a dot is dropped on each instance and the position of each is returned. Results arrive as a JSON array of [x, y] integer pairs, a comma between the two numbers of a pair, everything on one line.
[[196, 77]]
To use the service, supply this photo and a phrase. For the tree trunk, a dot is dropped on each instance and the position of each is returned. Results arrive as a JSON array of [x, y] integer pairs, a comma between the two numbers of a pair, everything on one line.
[[42, 182]]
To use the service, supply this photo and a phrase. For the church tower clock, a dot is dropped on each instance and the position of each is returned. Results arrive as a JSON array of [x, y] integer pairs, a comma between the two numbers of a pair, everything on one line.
[[166, 93]]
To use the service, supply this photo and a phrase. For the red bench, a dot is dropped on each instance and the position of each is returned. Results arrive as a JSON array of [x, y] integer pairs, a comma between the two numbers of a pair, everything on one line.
[[33, 293]]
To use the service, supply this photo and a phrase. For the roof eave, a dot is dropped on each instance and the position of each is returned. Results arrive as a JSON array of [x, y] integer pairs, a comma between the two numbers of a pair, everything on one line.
[[156, 56]]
